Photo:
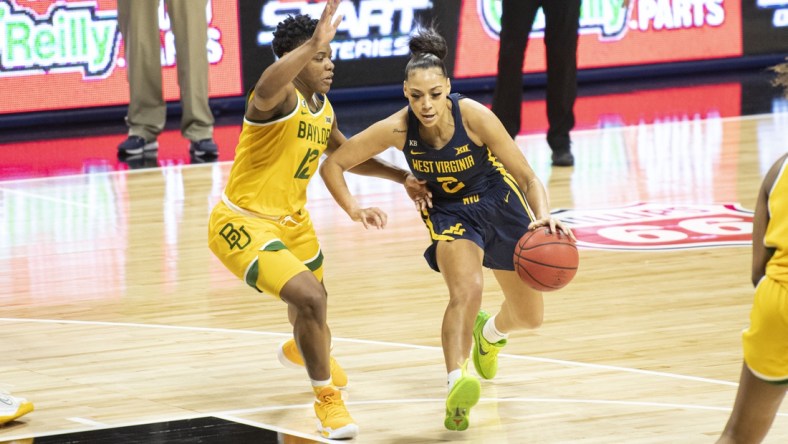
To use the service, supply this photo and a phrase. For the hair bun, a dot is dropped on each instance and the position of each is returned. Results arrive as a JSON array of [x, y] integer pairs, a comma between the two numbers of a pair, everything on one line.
[[428, 41]]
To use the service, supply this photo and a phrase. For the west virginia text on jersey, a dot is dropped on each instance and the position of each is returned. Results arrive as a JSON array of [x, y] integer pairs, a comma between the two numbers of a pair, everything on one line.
[[459, 169]]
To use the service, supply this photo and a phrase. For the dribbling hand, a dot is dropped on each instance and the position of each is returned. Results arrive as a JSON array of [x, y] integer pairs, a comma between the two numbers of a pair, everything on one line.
[[553, 225]]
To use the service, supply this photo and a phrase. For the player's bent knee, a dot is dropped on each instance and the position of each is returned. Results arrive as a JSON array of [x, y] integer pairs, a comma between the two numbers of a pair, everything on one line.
[[310, 306], [307, 295], [466, 298], [313, 306]]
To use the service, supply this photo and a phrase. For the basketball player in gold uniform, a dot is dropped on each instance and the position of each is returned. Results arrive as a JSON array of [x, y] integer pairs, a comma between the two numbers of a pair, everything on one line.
[[764, 375], [261, 230]]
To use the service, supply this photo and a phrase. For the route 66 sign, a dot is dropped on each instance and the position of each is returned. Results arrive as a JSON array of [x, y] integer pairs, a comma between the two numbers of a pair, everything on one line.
[[653, 226]]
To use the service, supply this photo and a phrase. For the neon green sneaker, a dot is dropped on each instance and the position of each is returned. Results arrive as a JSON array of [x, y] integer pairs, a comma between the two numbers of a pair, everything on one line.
[[464, 395], [485, 353]]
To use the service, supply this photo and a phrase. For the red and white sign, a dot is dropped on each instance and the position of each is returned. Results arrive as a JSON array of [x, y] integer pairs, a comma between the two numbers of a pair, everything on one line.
[[651, 226], [648, 31]]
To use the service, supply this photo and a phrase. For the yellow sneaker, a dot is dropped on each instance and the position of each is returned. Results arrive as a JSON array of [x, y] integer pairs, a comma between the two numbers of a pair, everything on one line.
[[485, 353], [12, 407], [290, 357], [463, 395], [334, 422]]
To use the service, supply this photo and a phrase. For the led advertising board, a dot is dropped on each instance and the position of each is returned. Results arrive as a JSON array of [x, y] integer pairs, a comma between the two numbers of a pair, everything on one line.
[[57, 55], [370, 47], [765, 26], [647, 32]]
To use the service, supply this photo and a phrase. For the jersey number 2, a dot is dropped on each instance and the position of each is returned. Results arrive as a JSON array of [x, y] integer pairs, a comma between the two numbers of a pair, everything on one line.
[[450, 184]]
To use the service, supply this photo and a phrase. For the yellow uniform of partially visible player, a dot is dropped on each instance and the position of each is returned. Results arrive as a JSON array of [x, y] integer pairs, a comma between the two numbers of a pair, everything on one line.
[[262, 208], [764, 374], [766, 339]]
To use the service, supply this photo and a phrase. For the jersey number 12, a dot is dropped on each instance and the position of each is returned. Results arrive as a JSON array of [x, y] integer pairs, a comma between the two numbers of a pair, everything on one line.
[[303, 170]]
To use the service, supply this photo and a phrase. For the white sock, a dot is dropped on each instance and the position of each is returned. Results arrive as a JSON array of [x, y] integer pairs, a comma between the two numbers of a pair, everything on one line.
[[491, 333], [316, 383], [454, 375]]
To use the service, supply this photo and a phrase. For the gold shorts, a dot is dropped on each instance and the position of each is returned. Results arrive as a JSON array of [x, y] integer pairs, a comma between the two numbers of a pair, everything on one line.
[[765, 341], [265, 253]]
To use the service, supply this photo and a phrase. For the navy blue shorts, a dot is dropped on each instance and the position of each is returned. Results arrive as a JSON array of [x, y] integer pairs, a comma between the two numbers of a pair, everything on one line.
[[495, 221]]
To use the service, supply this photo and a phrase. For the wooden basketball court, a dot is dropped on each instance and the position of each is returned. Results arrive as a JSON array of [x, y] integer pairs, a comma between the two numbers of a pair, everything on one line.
[[115, 313]]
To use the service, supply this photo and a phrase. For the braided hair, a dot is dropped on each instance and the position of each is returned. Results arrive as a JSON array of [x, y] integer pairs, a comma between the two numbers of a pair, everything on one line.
[[292, 32]]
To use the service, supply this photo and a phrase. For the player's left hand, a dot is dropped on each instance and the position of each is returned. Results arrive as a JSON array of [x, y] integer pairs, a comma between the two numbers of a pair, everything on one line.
[[553, 224], [418, 192], [325, 30], [371, 216]]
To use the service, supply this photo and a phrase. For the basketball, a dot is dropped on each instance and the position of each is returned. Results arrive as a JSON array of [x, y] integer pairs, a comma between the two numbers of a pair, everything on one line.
[[546, 262]]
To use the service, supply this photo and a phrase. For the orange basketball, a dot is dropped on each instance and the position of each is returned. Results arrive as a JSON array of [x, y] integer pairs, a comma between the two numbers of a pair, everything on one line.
[[545, 261]]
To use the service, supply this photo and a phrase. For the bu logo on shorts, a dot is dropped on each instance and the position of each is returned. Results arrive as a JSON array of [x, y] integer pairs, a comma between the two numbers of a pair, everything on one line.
[[235, 238]]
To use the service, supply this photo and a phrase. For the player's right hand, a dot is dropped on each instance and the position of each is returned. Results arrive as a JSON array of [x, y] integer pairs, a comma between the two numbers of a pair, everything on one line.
[[372, 216], [553, 225], [326, 30], [418, 192]]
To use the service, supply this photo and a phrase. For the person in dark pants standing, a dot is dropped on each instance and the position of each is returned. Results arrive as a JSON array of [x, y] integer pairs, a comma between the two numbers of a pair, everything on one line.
[[147, 111], [562, 20]]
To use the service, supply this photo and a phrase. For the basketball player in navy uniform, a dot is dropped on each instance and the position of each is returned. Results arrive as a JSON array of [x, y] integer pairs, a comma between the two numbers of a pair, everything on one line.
[[484, 197]]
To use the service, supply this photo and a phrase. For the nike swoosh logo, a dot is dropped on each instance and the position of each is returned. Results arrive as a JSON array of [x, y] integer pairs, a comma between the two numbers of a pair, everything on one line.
[[418, 152], [507, 197], [482, 351]]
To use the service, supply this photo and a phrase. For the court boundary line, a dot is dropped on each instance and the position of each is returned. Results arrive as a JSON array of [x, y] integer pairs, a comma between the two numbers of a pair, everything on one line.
[[379, 343], [26, 193], [232, 415], [267, 426]]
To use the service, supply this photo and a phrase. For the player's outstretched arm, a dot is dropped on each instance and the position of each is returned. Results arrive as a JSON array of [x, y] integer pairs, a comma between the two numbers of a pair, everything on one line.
[[355, 151], [274, 87], [376, 167], [373, 167]]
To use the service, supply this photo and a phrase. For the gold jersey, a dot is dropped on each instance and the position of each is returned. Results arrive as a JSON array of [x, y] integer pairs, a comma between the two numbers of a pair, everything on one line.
[[275, 160], [777, 230]]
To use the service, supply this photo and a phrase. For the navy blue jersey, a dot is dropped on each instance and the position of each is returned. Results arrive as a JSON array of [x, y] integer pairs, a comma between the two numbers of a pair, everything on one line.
[[460, 169], [474, 197]]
